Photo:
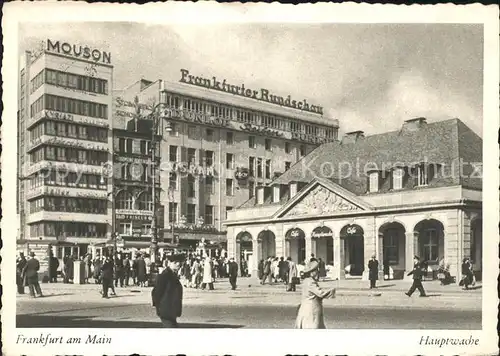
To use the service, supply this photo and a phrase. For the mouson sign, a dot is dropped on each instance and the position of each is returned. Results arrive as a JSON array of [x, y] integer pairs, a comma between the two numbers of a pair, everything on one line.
[[79, 51]]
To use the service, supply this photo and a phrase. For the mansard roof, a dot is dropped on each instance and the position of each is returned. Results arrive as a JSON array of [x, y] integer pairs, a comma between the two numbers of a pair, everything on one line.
[[442, 143]]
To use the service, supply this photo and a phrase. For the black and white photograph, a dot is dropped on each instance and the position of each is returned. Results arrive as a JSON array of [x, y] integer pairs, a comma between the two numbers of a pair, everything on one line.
[[254, 174]]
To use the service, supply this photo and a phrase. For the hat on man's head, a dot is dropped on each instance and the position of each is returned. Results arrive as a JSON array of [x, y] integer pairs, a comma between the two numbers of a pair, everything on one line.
[[373, 256], [311, 267], [416, 257], [32, 254]]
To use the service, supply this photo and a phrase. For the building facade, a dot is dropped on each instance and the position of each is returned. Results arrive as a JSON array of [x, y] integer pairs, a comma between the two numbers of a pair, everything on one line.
[[64, 118], [415, 191], [216, 149]]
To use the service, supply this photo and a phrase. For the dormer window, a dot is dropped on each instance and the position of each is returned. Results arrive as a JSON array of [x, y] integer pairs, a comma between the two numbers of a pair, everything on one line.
[[398, 175], [373, 182], [422, 175], [293, 189], [260, 195], [276, 194]]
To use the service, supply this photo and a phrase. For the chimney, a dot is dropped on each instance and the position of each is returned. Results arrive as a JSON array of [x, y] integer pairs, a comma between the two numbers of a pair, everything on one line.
[[352, 137], [414, 124]]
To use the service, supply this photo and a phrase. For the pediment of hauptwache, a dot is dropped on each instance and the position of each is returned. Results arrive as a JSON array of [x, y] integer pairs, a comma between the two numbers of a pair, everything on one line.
[[322, 198]]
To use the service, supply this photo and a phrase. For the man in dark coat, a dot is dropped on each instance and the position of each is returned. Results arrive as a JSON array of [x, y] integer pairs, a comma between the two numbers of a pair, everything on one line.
[[267, 270], [417, 278], [233, 272], [467, 275], [373, 272], [282, 269], [126, 270], [20, 264], [141, 271], [321, 268], [53, 266], [261, 269], [106, 276], [167, 295], [31, 271]]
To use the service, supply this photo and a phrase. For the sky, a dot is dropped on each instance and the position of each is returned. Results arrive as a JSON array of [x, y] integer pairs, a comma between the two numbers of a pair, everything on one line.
[[371, 77]]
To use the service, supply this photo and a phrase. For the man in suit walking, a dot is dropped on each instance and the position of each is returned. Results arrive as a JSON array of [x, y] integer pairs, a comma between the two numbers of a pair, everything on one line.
[[373, 271], [167, 295], [107, 276], [233, 273], [20, 264], [417, 278], [31, 271]]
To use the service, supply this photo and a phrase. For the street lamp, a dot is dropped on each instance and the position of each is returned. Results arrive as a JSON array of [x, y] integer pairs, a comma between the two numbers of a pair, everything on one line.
[[112, 195], [155, 117]]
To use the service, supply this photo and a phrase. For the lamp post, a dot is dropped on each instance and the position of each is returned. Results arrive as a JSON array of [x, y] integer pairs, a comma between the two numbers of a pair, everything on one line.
[[112, 195], [156, 119]]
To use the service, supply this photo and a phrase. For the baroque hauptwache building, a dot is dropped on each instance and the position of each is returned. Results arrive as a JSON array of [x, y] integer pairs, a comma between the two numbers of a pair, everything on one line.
[[414, 191], [64, 116], [223, 141]]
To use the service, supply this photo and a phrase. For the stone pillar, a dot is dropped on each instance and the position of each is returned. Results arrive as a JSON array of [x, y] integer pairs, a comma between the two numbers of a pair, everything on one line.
[[452, 237], [380, 256], [256, 257], [278, 243], [338, 258], [411, 246], [314, 249], [308, 248], [370, 247]]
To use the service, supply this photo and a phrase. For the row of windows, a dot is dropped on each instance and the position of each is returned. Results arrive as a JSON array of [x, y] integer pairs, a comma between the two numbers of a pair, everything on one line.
[[69, 80], [250, 117], [398, 178], [64, 229], [129, 145], [137, 172], [69, 105], [208, 218], [260, 168], [63, 154], [69, 205], [126, 229], [125, 200], [62, 129], [68, 179]]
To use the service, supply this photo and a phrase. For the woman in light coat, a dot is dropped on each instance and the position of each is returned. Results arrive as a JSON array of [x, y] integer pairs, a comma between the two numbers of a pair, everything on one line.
[[310, 313], [207, 275]]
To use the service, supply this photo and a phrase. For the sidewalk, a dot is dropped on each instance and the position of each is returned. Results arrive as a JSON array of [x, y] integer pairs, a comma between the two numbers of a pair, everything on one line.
[[347, 286], [349, 293]]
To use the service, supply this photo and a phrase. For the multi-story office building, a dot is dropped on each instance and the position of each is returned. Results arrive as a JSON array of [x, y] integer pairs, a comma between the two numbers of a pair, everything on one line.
[[218, 147], [63, 134]]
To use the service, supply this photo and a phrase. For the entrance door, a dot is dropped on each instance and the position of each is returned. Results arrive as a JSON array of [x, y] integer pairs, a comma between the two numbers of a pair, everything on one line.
[[354, 249]]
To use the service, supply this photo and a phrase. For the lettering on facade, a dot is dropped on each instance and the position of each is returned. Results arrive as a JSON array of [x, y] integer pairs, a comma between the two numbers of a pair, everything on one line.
[[185, 168], [195, 117], [241, 174], [59, 116], [261, 95], [79, 51], [261, 130], [322, 232], [308, 138], [55, 115], [351, 230], [133, 217], [296, 234]]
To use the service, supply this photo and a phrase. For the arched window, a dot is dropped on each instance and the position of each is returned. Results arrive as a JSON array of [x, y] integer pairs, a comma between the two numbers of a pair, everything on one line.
[[145, 202], [124, 200]]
